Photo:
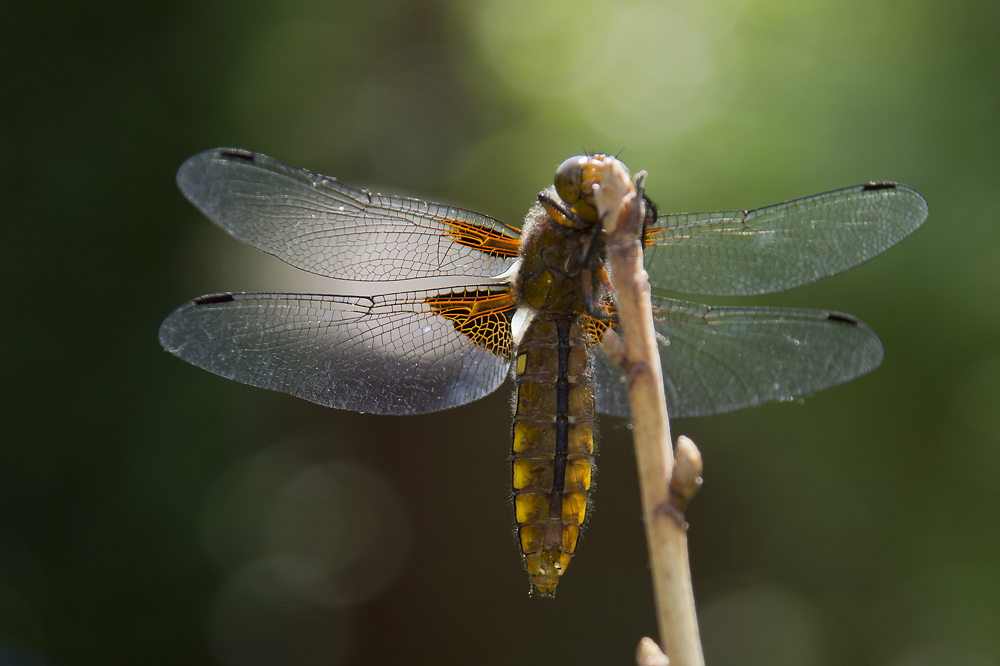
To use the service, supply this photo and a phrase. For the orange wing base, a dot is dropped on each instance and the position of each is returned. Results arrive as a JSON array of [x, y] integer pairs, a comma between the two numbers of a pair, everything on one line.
[[482, 315], [488, 241]]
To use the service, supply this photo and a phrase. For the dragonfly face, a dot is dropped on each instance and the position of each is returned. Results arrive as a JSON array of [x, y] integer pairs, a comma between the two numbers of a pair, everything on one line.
[[533, 302]]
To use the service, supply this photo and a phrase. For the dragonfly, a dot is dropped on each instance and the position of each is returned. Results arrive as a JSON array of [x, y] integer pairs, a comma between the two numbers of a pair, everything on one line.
[[532, 303]]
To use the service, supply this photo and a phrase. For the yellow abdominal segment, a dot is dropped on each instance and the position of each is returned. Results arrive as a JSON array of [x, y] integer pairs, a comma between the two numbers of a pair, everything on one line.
[[552, 447]]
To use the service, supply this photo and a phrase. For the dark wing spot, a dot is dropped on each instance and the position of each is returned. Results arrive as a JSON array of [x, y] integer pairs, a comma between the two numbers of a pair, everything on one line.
[[840, 316], [238, 153], [880, 185], [213, 298]]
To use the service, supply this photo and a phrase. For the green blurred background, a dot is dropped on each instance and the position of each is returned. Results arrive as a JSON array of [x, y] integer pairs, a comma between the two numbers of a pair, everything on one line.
[[152, 513]]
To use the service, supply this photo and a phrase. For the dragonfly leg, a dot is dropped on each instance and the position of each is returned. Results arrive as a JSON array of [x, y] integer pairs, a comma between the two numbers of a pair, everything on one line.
[[602, 273], [560, 214], [597, 307]]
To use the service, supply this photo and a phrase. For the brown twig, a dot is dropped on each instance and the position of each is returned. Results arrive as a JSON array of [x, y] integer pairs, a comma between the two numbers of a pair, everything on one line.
[[620, 205]]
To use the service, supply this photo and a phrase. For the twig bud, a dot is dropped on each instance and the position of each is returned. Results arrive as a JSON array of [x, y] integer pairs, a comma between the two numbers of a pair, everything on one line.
[[649, 654], [685, 480], [614, 348]]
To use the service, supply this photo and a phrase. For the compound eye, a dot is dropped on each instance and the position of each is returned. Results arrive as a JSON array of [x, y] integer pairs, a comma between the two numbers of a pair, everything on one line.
[[569, 179]]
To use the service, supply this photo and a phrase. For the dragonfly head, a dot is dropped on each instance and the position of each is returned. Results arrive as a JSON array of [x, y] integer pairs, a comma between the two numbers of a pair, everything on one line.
[[575, 180]]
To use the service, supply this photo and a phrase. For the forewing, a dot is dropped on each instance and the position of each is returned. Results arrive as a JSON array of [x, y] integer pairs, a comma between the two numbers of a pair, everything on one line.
[[719, 359], [739, 253], [325, 227], [392, 354]]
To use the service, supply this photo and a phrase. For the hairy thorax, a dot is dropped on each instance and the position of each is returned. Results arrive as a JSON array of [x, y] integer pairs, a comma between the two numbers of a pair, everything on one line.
[[553, 265]]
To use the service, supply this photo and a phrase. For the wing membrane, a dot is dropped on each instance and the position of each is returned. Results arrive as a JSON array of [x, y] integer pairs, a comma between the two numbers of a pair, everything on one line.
[[739, 253], [325, 227], [392, 354], [719, 359]]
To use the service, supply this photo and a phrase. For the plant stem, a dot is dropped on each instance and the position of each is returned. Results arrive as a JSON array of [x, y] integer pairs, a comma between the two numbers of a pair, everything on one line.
[[666, 534]]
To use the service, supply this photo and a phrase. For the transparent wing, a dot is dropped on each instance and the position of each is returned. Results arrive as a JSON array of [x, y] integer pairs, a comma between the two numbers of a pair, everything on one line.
[[392, 354], [325, 227], [719, 359], [738, 253]]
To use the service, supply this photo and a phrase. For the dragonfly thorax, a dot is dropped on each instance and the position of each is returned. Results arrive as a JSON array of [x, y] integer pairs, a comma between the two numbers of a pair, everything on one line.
[[556, 260]]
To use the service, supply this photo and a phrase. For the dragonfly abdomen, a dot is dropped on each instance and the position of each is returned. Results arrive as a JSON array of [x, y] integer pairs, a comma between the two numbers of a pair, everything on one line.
[[553, 445]]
